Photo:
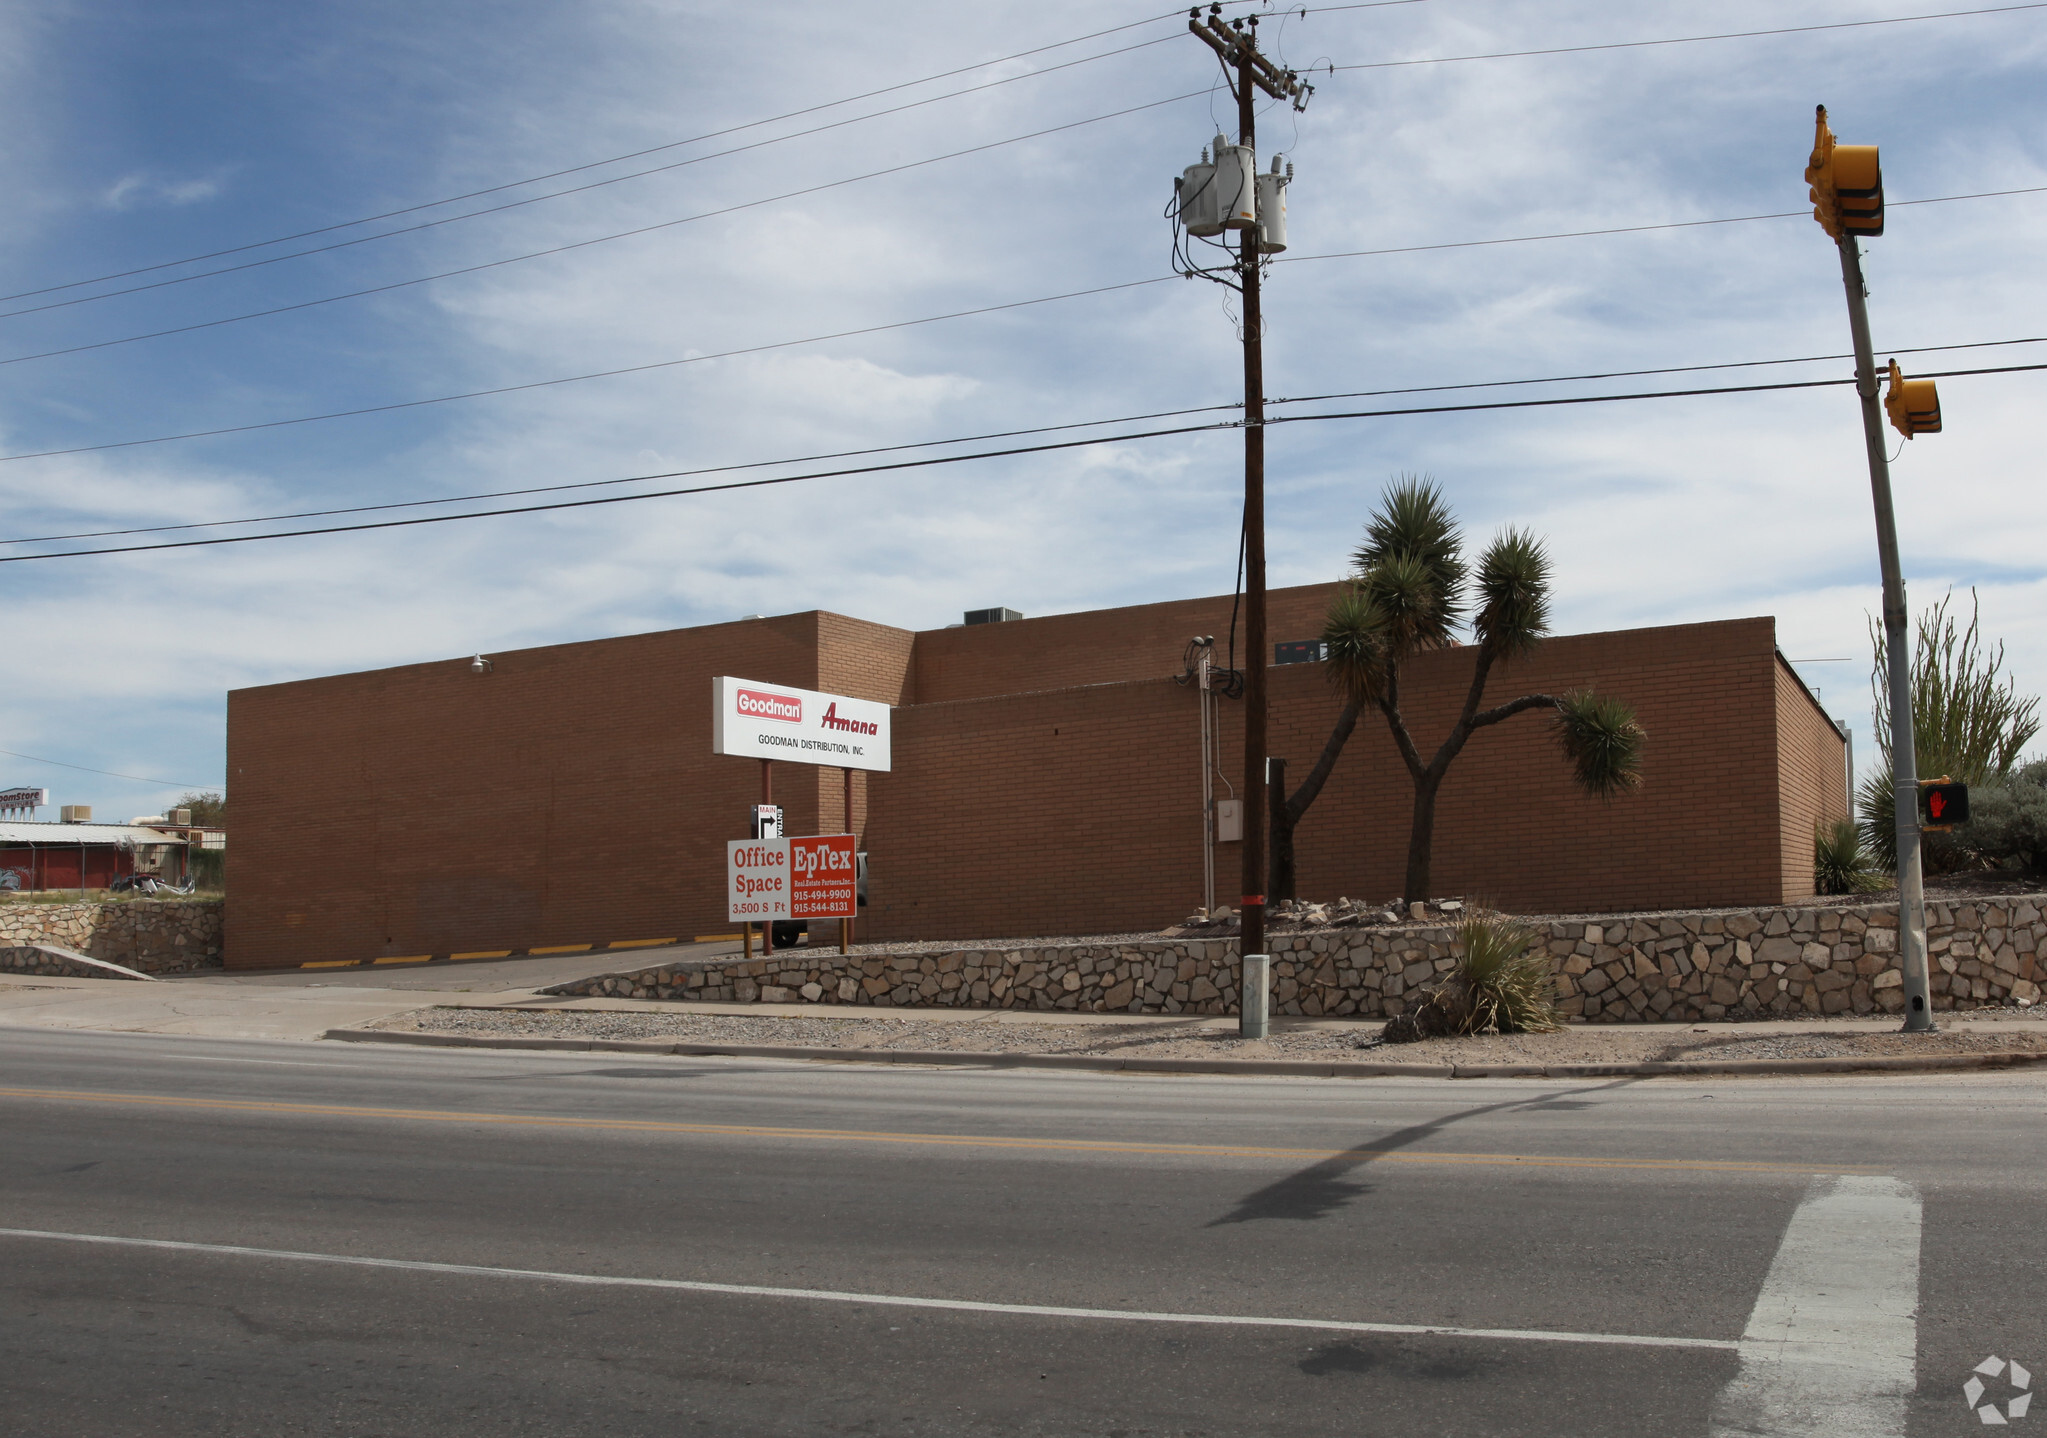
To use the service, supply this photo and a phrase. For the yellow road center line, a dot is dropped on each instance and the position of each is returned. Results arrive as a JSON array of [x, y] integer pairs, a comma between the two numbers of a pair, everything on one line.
[[1361, 1154]]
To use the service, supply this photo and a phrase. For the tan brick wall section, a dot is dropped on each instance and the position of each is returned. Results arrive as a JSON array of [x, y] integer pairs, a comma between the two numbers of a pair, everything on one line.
[[1812, 775], [1079, 811], [570, 796]]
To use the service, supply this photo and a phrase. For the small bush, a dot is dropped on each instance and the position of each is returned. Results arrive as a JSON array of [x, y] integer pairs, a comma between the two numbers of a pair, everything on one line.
[[1502, 985], [2007, 824], [1840, 865]]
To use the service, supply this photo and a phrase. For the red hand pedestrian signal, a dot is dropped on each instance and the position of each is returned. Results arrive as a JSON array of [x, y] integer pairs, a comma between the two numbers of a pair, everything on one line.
[[1943, 804]]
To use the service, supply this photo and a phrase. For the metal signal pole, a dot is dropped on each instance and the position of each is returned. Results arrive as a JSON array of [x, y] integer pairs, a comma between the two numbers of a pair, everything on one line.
[[1237, 46], [1912, 962]]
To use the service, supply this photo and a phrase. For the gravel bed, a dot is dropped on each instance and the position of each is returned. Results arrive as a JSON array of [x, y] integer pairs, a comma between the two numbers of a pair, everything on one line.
[[1192, 1038], [991, 1035]]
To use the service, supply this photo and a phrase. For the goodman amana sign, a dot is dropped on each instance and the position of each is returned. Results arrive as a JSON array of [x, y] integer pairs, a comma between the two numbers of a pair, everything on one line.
[[774, 721]]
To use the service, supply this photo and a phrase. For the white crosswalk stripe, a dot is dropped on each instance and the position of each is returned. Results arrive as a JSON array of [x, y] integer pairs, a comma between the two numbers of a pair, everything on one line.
[[1831, 1349]]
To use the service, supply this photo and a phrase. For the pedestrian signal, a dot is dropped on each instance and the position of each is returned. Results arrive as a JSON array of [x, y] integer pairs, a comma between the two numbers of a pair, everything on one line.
[[1943, 804], [1847, 184], [1913, 404]]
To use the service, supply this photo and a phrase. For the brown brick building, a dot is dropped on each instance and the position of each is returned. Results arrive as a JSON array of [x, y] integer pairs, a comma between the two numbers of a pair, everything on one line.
[[1046, 780]]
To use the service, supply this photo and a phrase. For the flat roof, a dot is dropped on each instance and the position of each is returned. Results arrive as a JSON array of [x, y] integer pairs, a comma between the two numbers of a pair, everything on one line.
[[84, 834]]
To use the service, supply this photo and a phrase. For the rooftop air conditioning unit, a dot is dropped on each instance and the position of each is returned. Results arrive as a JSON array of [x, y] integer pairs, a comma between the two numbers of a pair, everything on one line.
[[991, 616], [75, 814]]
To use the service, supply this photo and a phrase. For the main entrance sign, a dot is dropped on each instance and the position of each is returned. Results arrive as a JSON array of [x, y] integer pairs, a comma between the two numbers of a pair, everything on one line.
[[776, 721]]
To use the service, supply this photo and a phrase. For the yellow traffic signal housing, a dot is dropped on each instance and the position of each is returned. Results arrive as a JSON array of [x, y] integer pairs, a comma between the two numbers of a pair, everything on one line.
[[1847, 184], [1913, 404]]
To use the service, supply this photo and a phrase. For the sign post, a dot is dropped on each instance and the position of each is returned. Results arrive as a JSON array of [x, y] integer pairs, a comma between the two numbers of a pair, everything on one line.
[[763, 721]]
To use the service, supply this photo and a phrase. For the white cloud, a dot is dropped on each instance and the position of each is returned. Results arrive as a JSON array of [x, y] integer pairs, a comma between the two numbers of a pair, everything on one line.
[[1657, 512]]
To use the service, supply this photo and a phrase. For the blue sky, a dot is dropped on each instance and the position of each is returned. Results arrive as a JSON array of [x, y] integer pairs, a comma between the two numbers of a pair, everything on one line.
[[141, 134]]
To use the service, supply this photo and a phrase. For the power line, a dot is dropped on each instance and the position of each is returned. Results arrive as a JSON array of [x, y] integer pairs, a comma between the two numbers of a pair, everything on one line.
[[604, 239], [573, 190], [985, 437], [138, 778], [933, 319], [1639, 229], [626, 234], [562, 504], [599, 164], [1689, 39]]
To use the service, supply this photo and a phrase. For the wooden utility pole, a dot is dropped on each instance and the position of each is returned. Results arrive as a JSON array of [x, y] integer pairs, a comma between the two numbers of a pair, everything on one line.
[[1236, 44]]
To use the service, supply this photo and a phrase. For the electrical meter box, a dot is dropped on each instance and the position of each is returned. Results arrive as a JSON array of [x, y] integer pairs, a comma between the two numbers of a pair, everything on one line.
[[767, 821], [1229, 821]]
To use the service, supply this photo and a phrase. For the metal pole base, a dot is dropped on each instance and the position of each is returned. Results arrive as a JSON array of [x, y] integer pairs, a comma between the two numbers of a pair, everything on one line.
[[1919, 1018], [1256, 1000]]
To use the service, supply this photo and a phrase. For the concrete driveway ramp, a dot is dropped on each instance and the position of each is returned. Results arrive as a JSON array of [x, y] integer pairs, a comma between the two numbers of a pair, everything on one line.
[[64, 963]]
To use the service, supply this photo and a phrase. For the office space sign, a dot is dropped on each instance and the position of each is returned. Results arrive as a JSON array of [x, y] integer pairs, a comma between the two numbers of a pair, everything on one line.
[[814, 877], [776, 721]]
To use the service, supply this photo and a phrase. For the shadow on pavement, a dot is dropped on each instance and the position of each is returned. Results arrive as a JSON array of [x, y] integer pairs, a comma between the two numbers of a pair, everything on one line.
[[1322, 1188]]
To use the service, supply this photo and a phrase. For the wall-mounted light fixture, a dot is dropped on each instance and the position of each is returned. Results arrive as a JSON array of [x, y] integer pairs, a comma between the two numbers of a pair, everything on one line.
[[480, 665]]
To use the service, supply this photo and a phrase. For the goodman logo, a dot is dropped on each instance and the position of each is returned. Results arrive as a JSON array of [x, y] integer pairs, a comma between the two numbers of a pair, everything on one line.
[[834, 720], [762, 705]]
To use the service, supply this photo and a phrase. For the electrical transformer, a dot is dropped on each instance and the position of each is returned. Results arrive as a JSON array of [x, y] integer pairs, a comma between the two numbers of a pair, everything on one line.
[[1272, 208], [1195, 190], [1236, 185]]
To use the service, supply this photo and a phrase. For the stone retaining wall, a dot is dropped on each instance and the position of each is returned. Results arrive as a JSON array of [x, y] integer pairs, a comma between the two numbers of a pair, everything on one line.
[[1624, 968], [154, 936], [54, 963]]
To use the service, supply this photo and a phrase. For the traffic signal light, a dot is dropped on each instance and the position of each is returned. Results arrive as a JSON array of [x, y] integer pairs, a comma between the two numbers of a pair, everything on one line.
[[1943, 804], [1847, 184], [1913, 404]]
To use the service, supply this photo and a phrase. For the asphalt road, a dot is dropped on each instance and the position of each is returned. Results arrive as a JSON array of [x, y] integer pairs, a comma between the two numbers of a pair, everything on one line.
[[1598, 1258]]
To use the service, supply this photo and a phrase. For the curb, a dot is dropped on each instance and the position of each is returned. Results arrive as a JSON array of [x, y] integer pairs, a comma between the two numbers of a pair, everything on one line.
[[1298, 1068]]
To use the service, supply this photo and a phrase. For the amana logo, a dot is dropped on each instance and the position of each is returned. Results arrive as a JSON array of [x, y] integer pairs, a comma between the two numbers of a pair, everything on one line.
[[760, 705], [834, 720]]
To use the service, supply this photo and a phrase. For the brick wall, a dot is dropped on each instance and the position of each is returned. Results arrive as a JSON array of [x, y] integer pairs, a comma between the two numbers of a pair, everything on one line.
[[569, 796], [1812, 775], [1079, 810]]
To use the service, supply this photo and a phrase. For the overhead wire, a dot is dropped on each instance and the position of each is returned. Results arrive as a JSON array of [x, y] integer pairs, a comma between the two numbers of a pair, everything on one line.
[[398, 405], [600, 239], [992, 435], [83, 769], [599, 164], [907, 464], [603, 239], [573, 190], [1688, 39]]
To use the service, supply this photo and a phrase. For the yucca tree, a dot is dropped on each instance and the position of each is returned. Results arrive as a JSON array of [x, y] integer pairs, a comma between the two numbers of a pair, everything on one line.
[[1412, 592]]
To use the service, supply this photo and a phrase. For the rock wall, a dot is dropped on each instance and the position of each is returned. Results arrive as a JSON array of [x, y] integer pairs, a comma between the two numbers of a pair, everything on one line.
[[154, 936], [54, 962], [1625, 968]]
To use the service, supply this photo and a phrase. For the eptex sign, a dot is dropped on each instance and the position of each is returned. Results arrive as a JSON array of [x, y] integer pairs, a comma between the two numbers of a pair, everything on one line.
[[809, 878], [775, 721]]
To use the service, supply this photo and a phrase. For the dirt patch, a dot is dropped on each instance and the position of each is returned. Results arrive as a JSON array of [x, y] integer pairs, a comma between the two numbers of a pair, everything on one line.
[[1206, 1038]]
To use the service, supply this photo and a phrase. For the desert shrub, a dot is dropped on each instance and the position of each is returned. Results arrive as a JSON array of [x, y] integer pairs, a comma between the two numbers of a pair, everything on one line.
[[2008, 819], [1840, 865], [1969, 722], [1502, 985]]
